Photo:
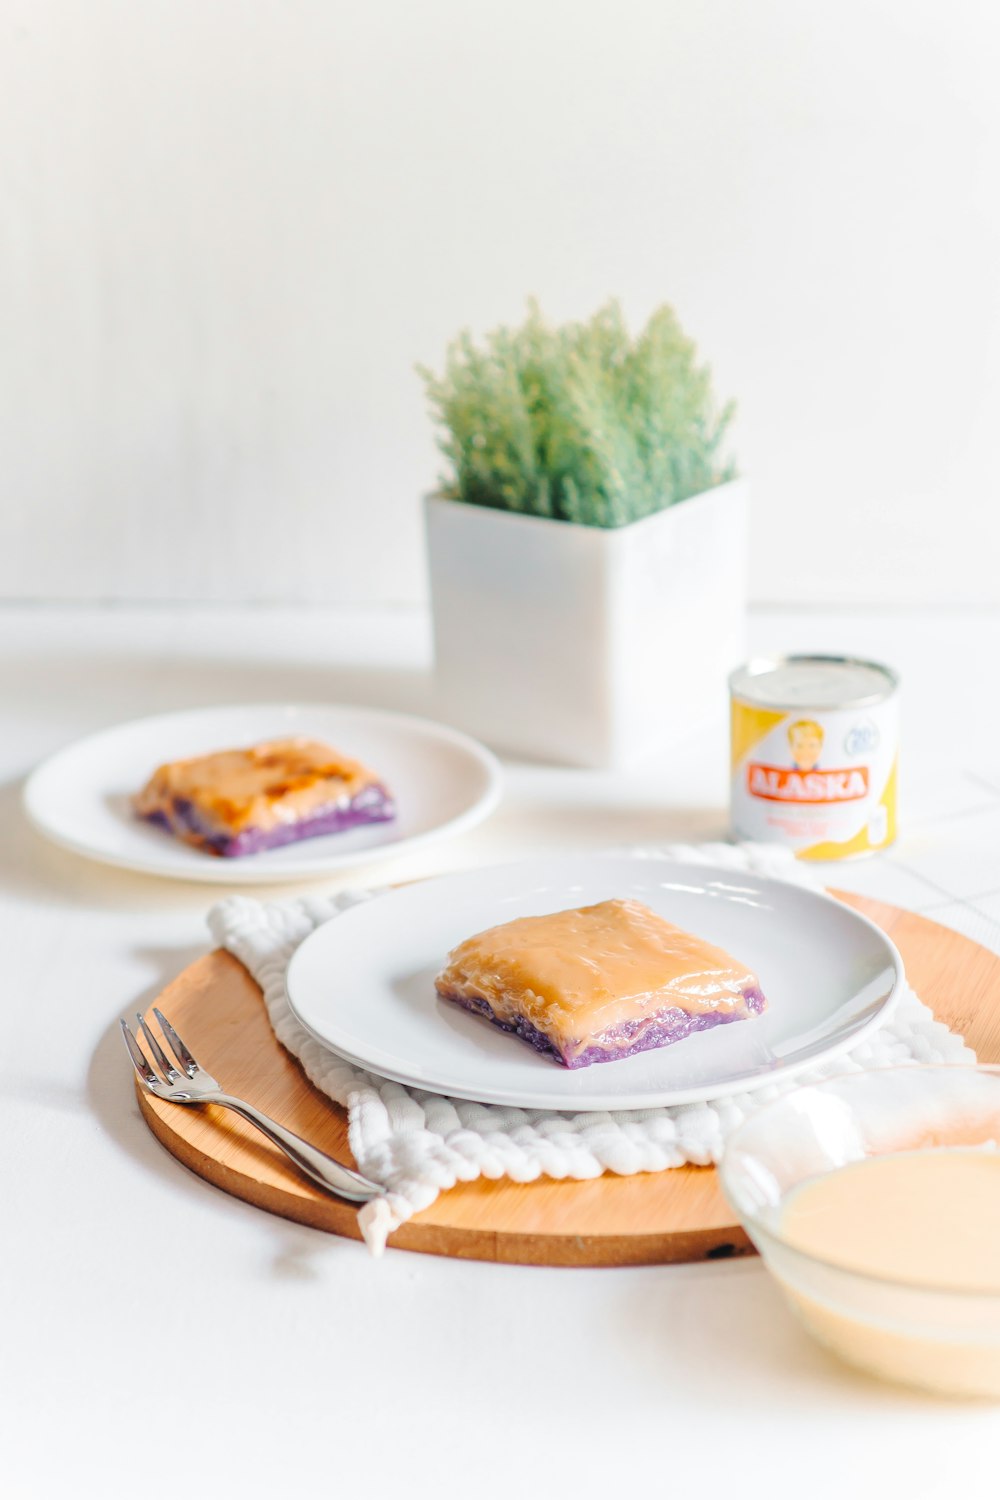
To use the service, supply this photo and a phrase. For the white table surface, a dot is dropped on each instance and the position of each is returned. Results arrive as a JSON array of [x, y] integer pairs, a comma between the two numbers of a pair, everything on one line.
[[311, 1363]]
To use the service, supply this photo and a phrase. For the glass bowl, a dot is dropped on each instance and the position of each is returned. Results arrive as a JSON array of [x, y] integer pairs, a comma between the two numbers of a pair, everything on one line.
[[938, 1337]]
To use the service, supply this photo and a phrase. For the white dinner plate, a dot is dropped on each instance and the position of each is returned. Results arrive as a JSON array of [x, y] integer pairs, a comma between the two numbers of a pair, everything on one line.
[[363, 983], [443, 783]]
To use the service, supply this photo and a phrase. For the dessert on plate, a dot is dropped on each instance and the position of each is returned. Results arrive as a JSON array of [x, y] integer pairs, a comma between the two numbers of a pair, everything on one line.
[[597, 983], [236, 802]]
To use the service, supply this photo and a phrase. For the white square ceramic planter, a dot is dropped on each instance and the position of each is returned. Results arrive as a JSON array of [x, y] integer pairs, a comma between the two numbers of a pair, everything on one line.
[[581, 645]]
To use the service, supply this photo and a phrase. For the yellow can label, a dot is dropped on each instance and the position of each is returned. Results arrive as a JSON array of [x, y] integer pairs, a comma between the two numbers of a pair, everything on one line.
[[823, 782]]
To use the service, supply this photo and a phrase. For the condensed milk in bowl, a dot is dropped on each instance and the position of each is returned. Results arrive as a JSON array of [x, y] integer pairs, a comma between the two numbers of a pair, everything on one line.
[[874, 1200], [815, 751]]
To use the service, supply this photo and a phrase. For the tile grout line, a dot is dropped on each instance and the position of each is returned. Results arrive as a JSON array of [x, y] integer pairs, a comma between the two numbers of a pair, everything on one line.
[[935, 819], [982, 781], [969, 901], [990, 923], [981, 784], [932, 885]]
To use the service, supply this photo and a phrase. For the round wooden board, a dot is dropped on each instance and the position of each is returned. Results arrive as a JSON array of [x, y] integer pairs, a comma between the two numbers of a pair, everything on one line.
[[653, 1218]]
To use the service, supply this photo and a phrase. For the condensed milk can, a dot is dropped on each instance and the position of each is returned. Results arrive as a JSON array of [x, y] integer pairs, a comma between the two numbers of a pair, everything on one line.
[[815, 751]]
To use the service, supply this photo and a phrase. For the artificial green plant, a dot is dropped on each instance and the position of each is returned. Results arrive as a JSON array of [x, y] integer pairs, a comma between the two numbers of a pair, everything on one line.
[[581, 422]]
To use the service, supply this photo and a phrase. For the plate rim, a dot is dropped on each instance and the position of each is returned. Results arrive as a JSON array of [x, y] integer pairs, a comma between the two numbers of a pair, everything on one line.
[[221, 872], [677, 1098]]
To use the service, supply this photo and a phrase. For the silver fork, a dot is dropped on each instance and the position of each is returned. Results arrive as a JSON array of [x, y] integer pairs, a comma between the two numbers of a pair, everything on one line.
[[187, 1083]]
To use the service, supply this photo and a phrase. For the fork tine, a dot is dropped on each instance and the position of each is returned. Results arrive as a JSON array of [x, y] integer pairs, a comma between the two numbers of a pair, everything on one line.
[[176, 1045], [159, 1056], [139, 1062]]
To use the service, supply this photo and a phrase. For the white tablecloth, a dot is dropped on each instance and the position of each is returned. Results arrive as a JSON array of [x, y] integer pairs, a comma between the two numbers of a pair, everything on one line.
[[317, 1369]]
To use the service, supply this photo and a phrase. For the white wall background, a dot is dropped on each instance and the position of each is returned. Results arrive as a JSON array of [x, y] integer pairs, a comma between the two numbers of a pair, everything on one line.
[[228, 229]]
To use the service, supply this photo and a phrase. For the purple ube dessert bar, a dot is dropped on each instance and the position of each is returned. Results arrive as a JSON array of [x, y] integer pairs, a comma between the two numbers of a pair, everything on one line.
[[371, 805], [238, 802], [598, 983]]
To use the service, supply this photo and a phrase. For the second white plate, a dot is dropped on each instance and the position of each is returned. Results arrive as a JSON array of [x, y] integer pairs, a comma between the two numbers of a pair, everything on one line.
[[443, 782], [363, 984]]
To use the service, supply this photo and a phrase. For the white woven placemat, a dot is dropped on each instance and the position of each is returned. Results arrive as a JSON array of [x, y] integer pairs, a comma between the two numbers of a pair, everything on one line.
[[419, 1144]]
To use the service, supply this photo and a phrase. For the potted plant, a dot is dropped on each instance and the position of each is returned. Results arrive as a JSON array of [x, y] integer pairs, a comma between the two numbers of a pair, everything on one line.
[[587, 547]]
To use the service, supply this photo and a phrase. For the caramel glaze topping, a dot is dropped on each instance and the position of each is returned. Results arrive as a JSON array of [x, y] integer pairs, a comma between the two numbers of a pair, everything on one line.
[[578, 973], [279, 781]]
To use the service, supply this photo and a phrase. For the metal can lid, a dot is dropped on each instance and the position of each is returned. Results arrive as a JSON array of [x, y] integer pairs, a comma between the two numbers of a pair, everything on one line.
[[813, 682]]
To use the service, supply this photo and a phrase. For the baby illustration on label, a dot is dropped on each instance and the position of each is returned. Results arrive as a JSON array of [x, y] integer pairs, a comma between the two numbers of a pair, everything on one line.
[[805, 737]]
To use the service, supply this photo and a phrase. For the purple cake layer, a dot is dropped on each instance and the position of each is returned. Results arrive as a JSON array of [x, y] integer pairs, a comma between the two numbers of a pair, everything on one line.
[[661, 1030], [521, 1027], [372, 804]]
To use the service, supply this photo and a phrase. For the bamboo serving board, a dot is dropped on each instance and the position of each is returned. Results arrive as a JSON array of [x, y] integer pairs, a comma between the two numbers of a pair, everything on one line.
[[678, 1215]]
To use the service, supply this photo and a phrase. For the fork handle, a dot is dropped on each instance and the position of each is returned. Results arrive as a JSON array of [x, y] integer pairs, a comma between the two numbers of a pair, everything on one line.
[[316, 1165]]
